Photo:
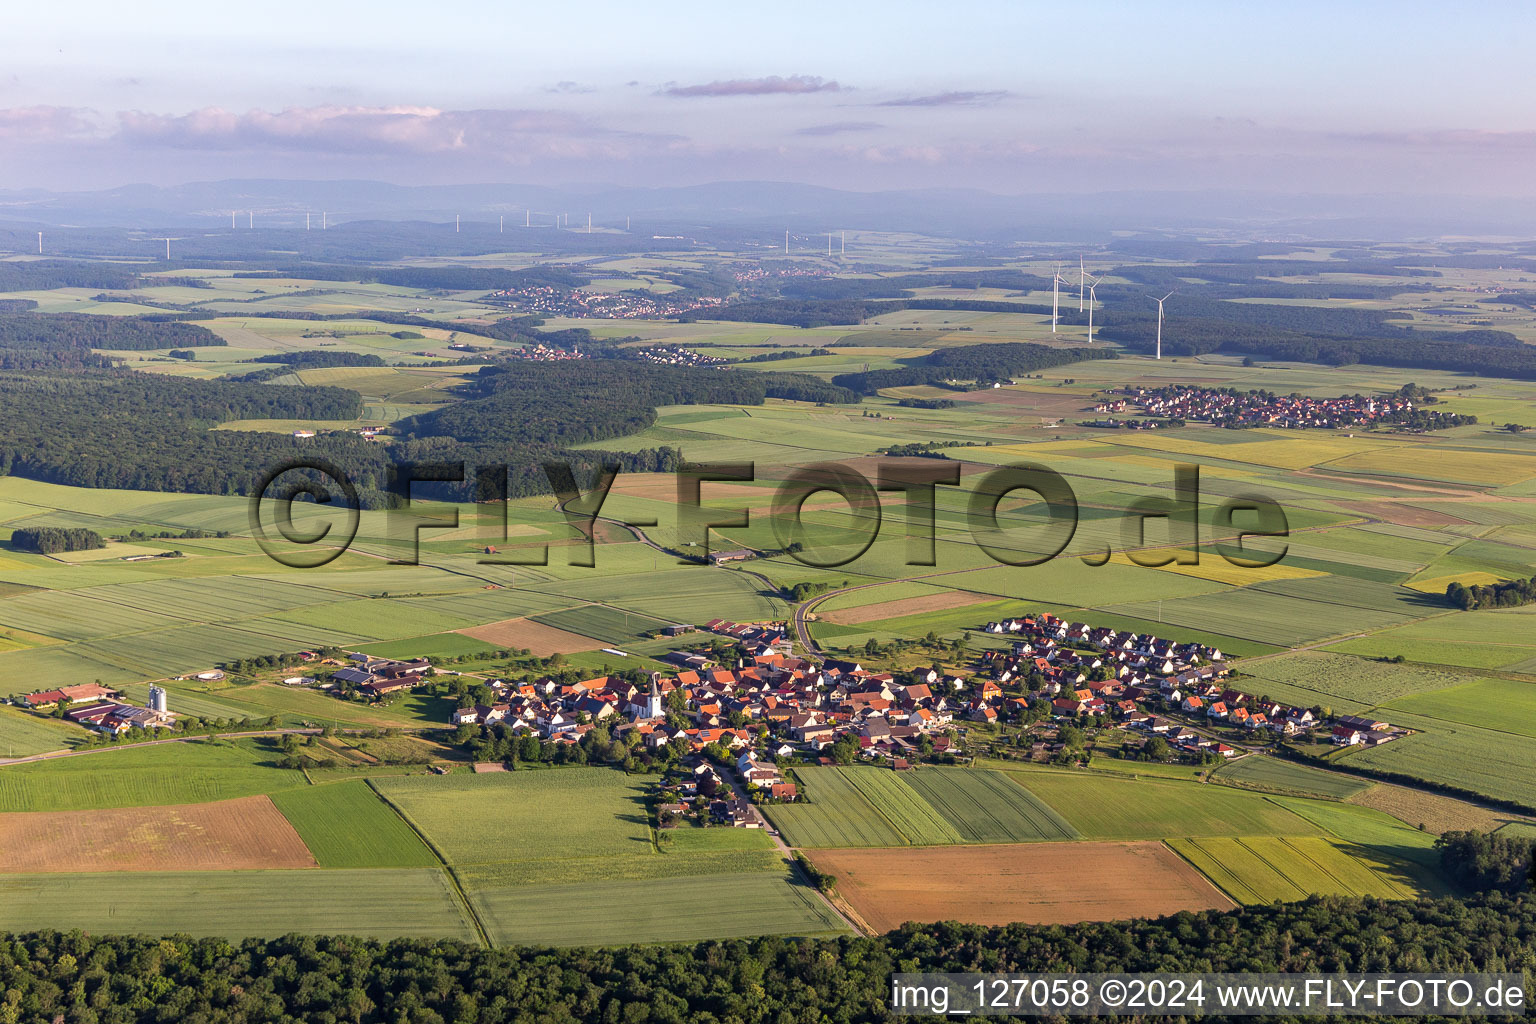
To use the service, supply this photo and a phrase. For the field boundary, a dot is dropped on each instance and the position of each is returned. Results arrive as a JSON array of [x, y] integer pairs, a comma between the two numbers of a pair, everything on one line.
[[453, 879]]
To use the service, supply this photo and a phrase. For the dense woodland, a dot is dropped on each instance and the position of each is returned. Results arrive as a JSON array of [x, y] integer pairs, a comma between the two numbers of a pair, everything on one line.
[[981, 364], [1505, 594], [50, 540], [1483, 861], [117, 428], [85, 331], [111, 979], [592, 399]]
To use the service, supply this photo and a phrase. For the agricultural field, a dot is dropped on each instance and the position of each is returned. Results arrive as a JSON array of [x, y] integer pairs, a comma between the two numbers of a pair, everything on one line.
[[611, 625], [1346, 683], [912, 816], [1435, 813], [1264, 869], [993, 885], [1273, 775], [347, 825], [923, 807], [536, 637], [834, 812], [1468, 703], [228, 835], [1483, 761], [22, 734], [985, 807], [145, 775], [527, 815], [685, 909], [1370, 829], [416, 902], [1106, 807]]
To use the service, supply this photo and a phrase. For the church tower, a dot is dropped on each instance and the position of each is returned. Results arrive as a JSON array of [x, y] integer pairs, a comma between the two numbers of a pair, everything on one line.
[[653, 705]]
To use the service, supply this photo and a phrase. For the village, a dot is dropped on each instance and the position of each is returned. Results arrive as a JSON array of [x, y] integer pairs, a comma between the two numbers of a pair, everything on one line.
[[1229, 407], [726, 736]]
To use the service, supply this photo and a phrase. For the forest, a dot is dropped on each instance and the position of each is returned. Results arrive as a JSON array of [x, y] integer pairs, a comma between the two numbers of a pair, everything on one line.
[[50, 540], [104, 979], [566, 403], [982, 364], [1505, 594], [116, 428], [84, 331]]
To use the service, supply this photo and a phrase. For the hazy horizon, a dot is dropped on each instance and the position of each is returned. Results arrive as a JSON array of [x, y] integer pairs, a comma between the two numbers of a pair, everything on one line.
[[1372, 98]]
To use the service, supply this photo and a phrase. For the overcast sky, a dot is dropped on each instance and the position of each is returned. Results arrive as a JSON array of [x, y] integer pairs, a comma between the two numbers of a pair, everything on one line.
[[1009, 97]]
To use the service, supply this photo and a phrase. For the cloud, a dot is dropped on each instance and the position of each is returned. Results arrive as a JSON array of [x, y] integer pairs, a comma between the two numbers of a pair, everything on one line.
[[839, 128], [773, 85], [45, 121], [570, 88], [948, 99], [402, 129]]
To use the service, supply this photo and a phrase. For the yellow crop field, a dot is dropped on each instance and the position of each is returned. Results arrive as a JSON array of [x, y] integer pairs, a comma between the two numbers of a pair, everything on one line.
[[1437, 584], [1287, 451], [1456, 465], [1218, 570]]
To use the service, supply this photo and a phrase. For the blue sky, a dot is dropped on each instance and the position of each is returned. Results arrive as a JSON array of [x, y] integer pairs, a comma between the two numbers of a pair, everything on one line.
[[1010, 97]]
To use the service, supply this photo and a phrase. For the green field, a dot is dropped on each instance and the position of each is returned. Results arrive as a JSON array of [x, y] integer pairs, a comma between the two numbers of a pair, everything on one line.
[[689, 909], [917, 820], [528, 815], [1103, 807], [1369, 828], [22, 733], [416, 903], [346, 825], [143, 775], [1306, 678], [1263, 869], [834, 813], [610, 625], [1502, 705], [1486, 761], [985, 807], [1273, 775]]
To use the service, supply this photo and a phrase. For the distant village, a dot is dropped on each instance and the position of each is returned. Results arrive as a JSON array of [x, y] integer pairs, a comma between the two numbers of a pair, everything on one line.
[[1229, 407]]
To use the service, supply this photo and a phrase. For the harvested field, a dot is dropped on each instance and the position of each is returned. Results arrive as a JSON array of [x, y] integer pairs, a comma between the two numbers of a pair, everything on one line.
[[1402, 514], [995, 885], [540, 639], [225, 836], [1436, 813], [906, 606]]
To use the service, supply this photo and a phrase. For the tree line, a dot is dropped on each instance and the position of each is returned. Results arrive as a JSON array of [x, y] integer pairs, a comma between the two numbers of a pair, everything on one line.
[[113, 979]]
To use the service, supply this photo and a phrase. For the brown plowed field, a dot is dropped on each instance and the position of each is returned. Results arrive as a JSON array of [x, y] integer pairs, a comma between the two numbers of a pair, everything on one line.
[[540, 639], [225, 835], [1036, 883], [1402, 514]]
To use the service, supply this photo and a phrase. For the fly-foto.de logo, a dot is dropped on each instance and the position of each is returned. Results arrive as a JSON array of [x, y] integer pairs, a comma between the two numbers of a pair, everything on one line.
[[286, 507]]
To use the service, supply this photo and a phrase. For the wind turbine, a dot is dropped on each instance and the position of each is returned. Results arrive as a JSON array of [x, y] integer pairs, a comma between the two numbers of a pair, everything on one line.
[[1082, 279], [1160, 302], [1093, 300], [1056, 298]]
